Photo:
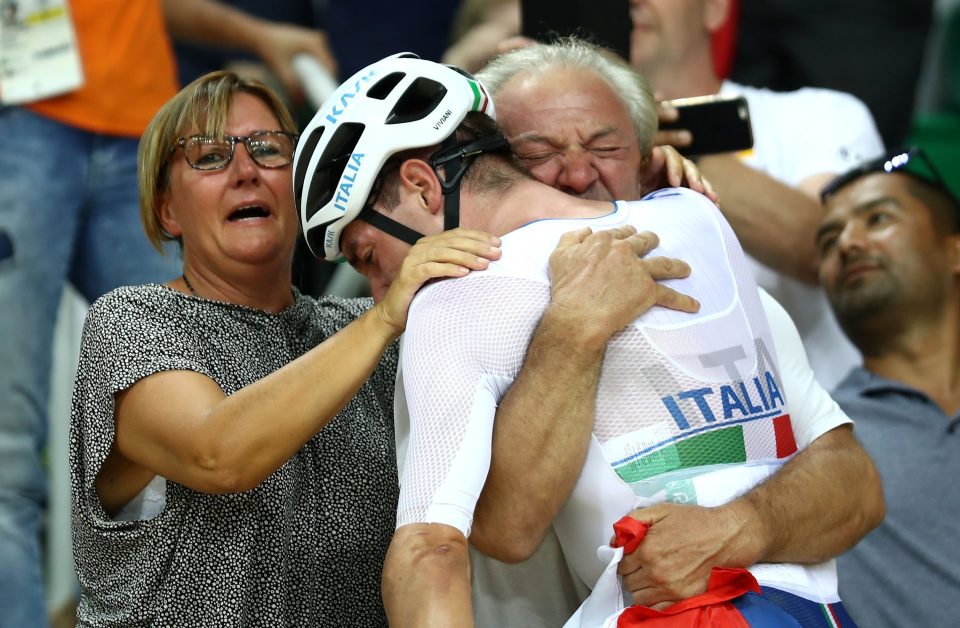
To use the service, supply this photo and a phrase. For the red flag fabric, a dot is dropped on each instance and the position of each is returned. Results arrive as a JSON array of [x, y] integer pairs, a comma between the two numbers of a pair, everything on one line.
[[709, 609], [628, 532]]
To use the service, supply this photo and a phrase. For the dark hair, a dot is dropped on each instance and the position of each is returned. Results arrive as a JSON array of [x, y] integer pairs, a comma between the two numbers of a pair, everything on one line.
[[925, 183], [489, 172], [944, 210]]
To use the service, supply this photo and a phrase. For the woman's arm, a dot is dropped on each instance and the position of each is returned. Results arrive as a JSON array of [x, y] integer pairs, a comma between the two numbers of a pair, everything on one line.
[[180, 424]]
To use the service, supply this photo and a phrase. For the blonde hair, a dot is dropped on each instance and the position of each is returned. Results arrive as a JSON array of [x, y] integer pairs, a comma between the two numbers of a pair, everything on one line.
[[201, 105]]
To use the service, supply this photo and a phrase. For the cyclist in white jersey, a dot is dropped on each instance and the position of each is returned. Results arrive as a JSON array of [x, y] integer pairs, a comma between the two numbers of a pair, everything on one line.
[[820, 504], [690, 406]]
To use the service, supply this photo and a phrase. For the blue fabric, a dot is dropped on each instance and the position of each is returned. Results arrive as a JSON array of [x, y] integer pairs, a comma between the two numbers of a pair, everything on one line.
[[907, 571], [69, 210], [760, 612], [806, 613]]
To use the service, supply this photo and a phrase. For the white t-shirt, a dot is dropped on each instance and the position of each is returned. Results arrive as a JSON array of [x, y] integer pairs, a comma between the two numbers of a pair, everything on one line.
[[690, 407], [796, 135]]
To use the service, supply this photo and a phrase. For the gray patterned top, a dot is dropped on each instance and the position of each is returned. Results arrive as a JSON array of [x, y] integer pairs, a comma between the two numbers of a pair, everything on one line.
[[304, 548]]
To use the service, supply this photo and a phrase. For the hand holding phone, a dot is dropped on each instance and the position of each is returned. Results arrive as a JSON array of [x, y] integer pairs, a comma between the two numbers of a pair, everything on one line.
[[717, 124]]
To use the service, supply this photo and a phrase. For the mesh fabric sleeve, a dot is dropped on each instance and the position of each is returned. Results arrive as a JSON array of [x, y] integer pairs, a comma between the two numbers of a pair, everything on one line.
[[465, 342]]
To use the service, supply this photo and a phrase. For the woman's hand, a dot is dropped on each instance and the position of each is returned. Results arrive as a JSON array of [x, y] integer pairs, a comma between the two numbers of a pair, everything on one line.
[[668, 168], [448, 254]]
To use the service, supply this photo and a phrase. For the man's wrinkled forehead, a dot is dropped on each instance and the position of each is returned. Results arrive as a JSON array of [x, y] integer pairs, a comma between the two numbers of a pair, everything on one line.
[[861, 196], [533, 97], [845, 199]]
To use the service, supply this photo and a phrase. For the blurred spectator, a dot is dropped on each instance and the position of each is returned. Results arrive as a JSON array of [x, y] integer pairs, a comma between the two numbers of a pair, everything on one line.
[[873, 50], [479, 29], [8, 13], [890, 263], [769, 194], [363, 32], [196, 58]]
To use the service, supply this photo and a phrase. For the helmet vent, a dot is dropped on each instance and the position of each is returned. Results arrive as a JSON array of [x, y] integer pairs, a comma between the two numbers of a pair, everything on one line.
[[306, 154], [418, 101], [330, 167], [385, 85]]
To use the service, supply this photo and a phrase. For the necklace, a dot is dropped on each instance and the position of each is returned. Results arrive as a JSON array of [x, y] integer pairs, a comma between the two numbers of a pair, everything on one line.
[[189, 287]]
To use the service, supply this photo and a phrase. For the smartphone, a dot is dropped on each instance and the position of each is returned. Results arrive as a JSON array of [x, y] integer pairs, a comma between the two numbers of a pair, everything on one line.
[[603, 22], [718, 124]]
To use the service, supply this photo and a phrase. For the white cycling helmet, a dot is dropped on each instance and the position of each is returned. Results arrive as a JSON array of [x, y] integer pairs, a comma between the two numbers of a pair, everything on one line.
[[395, 104]]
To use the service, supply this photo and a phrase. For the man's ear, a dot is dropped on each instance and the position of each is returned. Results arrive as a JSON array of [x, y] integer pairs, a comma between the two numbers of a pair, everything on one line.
[[418, 180], [715, 14], [165, 215]]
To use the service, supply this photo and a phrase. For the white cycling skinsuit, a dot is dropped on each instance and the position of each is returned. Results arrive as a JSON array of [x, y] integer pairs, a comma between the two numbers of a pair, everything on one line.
[[691, 408]]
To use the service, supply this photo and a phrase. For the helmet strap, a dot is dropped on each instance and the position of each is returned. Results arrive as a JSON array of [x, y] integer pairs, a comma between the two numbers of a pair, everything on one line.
[[451, 206], [455, 158], [388, 225]]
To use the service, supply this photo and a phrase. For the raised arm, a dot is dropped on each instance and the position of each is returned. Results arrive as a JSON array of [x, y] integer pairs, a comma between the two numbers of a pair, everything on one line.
[[600, 283], [180, 425], [426, 578], [215, 23], [775, 220]]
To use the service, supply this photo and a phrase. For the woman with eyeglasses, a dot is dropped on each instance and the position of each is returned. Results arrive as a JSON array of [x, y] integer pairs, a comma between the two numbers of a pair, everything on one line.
[[232, 457]]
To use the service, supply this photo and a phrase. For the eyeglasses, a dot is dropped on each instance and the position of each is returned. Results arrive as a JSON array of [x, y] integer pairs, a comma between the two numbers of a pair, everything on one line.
[[269, 149], [912, 161]]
